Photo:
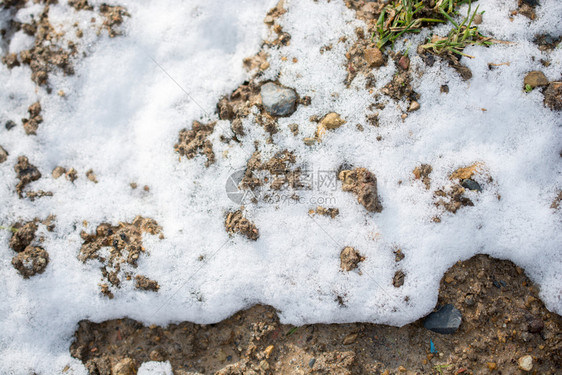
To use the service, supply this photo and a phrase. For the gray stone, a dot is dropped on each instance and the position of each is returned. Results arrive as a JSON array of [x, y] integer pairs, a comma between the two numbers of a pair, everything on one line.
[[446, 320], [471, 185], [278, 100]]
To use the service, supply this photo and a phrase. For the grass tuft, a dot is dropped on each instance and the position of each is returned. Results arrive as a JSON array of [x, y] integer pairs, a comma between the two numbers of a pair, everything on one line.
[[408, 16], [461, 36]]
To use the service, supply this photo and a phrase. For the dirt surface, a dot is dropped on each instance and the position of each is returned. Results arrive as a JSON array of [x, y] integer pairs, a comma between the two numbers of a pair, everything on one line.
[[503, 320], [194, 142], [116, 247], [363, 184], [275, 173], [553, 96], [235, 222]]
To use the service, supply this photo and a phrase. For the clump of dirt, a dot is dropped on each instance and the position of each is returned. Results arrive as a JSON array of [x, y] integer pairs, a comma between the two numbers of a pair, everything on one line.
[[80, 4], [363, 184], [502, 320], [48, 52], [115, 245], [195, 142], [90, 175], [452, 197], [31, 124], [398, 279], [527, 8], [553, 96], [350, 259], [31, 261], [235, 222], [26, 173], [281, 38], [71, 174], [24, 236], [277, 172], [114, 16], [144, 283], [422, 173], [330, 211]]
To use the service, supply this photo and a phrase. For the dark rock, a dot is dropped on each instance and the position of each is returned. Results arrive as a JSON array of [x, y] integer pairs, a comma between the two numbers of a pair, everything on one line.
[[535, 325], [471, 185], [278, 100], [10, 125], [532, 3], [446, 320]]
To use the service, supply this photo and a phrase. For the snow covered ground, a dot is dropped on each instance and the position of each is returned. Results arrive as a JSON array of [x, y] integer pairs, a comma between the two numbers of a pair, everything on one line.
[[130, 97]]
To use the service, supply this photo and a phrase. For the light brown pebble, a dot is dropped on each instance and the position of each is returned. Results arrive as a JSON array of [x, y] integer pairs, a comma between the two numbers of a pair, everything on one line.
[[525, 363], [414, 106]]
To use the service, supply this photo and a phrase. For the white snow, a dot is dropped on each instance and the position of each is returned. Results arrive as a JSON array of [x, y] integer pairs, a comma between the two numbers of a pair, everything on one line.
[[121, 115]]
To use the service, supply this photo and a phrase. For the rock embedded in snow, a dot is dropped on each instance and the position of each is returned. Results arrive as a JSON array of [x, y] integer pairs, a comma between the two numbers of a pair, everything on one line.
[[471, 185], [414, 106], [278, 100], [446, 320], [535, 78], [350, 259], [525, 363], [329, 122]]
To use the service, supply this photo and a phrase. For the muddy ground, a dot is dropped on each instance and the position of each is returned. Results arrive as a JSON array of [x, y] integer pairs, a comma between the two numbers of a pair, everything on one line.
[[503, 320]]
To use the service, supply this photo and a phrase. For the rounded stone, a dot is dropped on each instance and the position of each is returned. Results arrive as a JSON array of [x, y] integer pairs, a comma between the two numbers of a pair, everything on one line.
[[278, 100]]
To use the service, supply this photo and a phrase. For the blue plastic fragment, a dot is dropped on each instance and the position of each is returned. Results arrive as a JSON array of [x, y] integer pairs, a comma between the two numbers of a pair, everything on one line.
[[432, 347]]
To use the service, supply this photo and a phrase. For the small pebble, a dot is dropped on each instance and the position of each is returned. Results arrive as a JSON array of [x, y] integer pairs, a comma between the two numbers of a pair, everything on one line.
[[10, 125], [312, 362], [525, 363]]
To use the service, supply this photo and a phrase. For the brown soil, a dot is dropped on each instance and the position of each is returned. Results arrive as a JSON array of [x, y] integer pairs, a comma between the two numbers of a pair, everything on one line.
[[194, 142], [31, 124], [350, 259], [280, 172], [363, 184], [124, 243], [33, 260], [451, 197], [235, 222], [422, 173], [24, 236], [26, 173], [331, 211], [502, 321], [144, 283]]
